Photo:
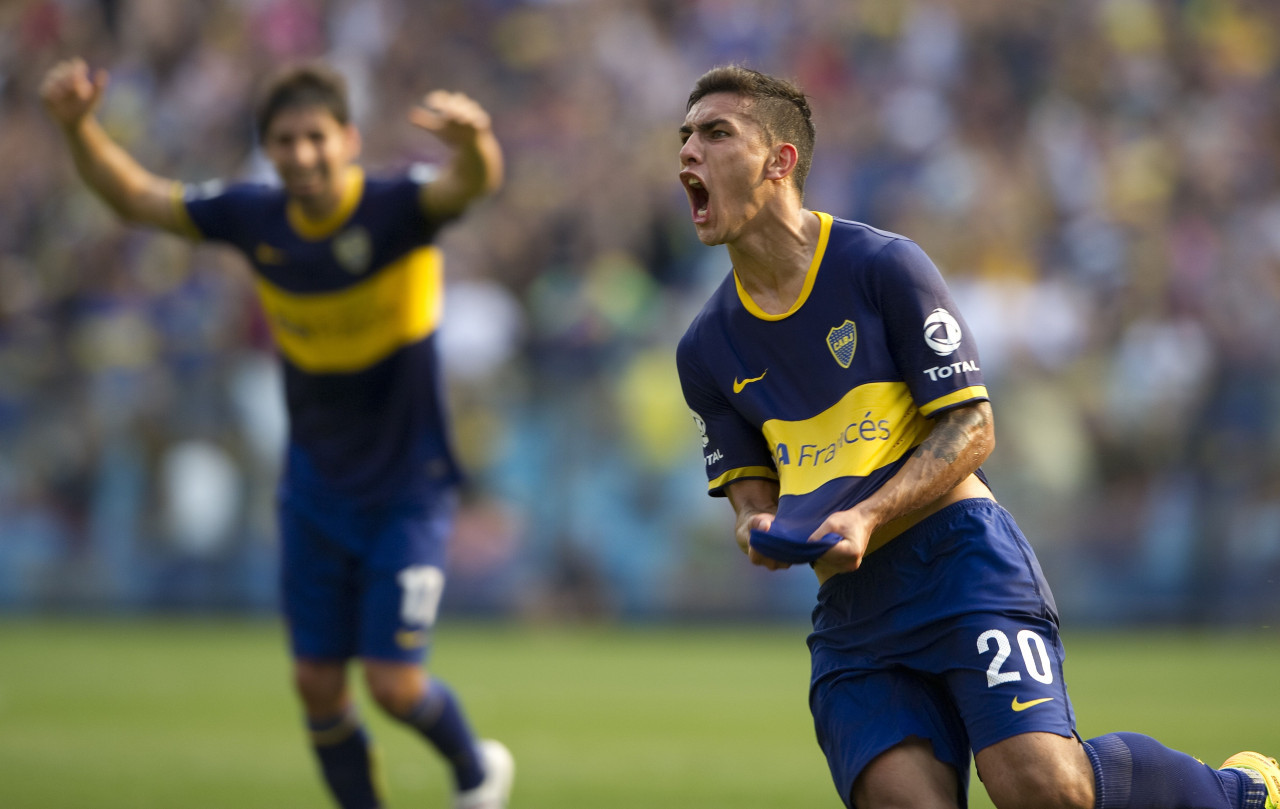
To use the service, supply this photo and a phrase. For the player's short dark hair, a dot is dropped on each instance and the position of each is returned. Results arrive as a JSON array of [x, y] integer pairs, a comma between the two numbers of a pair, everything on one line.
[[781, 108], [304, 85]]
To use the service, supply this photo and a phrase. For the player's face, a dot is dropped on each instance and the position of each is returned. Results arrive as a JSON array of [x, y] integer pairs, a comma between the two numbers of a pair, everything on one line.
[[311, 151], [722, 166]]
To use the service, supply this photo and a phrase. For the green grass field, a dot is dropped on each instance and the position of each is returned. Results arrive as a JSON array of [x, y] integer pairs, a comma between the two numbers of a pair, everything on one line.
[[198, 714]]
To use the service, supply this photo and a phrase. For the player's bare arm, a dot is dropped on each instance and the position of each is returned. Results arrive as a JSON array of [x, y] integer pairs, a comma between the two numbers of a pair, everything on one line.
[[477, 165], [755, 502], [71, 94], [939, 472]]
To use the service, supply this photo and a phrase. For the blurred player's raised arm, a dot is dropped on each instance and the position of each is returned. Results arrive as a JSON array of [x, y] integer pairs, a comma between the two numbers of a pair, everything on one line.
[[71, 95], [476, 167]]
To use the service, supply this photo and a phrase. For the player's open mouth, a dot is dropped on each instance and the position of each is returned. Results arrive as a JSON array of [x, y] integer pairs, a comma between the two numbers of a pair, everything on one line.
[[699, 198]]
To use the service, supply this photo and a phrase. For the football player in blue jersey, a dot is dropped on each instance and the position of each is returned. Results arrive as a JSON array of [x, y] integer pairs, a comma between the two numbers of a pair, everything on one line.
[[843, 414], [351, 285]]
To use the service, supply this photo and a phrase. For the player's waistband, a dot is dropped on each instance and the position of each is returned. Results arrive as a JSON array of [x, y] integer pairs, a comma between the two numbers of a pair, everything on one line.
[[925, 532]]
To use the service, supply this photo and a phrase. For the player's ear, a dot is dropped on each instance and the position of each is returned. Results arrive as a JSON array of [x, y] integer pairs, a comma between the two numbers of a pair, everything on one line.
[[782, 161], [354, 141]]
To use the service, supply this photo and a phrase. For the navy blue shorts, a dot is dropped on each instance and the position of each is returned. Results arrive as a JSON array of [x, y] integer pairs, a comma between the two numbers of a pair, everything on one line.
[[948, 633], [364, 584]]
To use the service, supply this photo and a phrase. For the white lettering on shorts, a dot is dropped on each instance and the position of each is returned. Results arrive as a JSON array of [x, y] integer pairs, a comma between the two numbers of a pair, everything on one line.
[[420, 587], [1035, 657]]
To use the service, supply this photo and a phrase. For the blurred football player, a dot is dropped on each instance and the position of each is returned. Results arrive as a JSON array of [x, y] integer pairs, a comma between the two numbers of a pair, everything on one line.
[[351, 284]]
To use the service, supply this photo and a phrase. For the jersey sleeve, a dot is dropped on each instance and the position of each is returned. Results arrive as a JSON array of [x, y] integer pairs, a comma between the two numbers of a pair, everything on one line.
[[407, 191], [732, 448], [411, 186], [220, 213], [927, 337]]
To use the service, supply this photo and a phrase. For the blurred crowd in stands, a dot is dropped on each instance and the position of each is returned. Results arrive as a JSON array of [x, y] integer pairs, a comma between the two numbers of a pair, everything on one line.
[[1098, 180]]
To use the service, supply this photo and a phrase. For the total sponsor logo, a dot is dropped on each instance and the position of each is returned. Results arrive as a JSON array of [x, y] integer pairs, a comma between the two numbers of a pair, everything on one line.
[[946, 371], [863, 430]]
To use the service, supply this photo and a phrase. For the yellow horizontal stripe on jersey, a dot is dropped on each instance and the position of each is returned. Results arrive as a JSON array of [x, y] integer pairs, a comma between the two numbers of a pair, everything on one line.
[[349, 330], [872, 426], [739, 474], [962, 395]]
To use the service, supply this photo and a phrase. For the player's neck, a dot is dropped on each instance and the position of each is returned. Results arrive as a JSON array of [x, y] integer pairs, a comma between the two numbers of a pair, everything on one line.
[[321, 207], [317, 216], [772, 258]]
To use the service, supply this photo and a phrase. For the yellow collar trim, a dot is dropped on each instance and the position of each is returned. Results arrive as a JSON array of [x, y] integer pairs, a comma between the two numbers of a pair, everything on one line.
[[317, 229], [810, 276]]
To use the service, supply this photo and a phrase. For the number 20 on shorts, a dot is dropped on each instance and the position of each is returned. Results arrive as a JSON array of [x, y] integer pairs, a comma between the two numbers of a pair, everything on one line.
[[1035, 657]]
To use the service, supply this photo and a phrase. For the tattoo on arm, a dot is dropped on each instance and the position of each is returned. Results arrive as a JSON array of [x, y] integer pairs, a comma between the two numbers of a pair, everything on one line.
[[956, 432]]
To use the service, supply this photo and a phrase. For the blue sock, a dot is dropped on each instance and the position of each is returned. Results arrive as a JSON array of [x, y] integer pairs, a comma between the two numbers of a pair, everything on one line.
[[439, 718], [342, 745], [1132, 771]]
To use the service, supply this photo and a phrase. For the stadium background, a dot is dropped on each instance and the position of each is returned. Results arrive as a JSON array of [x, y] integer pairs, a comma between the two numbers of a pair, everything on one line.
[[1100, 182]]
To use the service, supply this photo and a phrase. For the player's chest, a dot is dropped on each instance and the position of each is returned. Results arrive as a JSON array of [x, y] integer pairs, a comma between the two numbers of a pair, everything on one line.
[[348, 256], [794, 367]]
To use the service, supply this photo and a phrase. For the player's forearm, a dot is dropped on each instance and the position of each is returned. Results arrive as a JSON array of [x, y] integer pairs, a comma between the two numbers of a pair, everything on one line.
[[960, 442], [119, 180], [749, 498], [753, 496], [481, 165], [475, 171]]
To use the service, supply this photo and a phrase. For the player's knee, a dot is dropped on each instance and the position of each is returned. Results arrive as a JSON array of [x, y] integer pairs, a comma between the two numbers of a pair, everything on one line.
[[321, 686], [396, 690], [390, 698], [903, 796], [1037, 771], [1045, 787], [904, 800], [907, 777]]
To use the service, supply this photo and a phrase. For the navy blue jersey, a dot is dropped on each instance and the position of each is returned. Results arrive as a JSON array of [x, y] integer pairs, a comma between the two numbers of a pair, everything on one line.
[[353, 303], [830, 397]]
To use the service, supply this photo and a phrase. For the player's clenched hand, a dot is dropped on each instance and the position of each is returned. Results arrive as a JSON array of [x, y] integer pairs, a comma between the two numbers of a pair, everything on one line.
[[453, 117], [846, 555], [760, 521], [70, 93]]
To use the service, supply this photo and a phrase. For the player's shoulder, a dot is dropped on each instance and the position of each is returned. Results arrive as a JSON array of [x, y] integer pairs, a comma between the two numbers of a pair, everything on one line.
[[709, 319], [875, 256], [229, 211], [233, 193], [411, 178], [722, 300], [250, 200], [853, 237], [396, 193]]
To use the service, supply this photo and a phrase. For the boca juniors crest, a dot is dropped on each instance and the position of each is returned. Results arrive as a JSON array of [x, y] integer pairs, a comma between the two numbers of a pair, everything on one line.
[[354, 250], [843, 341]]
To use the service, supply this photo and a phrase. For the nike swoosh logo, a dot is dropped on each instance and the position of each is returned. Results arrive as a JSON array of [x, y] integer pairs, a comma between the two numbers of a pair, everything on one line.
[[1022, 706], [738, 386], [411, 638]]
